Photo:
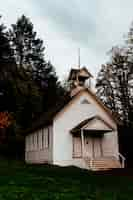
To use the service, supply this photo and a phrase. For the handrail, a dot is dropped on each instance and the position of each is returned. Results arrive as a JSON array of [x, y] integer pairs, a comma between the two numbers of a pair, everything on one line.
[[122, 159], [90, 161]]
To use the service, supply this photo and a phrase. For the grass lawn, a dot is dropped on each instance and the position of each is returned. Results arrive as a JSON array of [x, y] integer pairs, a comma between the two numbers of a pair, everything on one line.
[[20, 181]]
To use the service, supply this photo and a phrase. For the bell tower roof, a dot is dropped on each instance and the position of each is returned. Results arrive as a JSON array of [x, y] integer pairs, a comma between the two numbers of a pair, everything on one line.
[[82, 72], [78, 79]]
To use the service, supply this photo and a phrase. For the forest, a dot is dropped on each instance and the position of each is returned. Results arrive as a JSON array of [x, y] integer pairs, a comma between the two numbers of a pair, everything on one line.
[[29, 85]]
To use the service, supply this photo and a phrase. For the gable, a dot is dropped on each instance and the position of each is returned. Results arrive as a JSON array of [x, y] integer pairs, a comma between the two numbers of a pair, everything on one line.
[[92, 124], [97, 124], [92, 105]]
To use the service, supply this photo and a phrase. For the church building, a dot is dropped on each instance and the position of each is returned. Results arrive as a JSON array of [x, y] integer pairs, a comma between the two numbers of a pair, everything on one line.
[[82, 132]]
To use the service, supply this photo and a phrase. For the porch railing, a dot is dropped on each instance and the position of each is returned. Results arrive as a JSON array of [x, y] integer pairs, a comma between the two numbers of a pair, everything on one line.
[[122, 160]]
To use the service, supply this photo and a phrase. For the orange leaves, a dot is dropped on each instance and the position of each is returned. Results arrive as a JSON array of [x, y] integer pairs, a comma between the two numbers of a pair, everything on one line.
[[5, 119]]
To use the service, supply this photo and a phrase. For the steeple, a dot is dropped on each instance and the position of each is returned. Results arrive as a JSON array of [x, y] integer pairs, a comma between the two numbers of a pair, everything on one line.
[[78, 79]]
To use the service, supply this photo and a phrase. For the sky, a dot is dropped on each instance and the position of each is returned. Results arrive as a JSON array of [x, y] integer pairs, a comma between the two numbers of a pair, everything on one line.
[[94, 26]]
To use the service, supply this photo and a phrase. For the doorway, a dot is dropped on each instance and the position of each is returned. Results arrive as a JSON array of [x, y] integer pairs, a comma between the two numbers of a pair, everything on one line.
[[93, 147]]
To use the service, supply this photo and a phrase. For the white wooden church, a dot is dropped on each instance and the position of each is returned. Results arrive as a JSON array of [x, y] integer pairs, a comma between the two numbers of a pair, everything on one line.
[[81, 133]]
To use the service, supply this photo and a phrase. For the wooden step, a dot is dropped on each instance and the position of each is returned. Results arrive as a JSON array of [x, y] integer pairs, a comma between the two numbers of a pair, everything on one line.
[[103, 163]]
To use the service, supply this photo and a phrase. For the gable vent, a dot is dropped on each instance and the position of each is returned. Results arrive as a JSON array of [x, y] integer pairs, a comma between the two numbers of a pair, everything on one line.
[[85, 101]]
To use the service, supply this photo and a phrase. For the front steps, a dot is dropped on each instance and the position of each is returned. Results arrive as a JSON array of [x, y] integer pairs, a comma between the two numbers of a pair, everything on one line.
[[103, 163]]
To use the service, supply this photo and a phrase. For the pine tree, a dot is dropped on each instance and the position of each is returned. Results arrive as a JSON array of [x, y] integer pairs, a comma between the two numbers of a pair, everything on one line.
[[28, 49], [6, 66], [6, 54], [113, 84], [29, 55]]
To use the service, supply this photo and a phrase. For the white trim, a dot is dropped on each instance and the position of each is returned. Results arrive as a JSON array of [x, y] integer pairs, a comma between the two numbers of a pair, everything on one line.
[[82, 142]]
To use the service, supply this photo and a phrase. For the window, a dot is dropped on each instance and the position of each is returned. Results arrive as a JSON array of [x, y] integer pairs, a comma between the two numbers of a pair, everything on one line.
[[37, 140], [85, 101], [30, 142], [33, 141], [45, 137], [40, 139], [77, 149], [27, 143]]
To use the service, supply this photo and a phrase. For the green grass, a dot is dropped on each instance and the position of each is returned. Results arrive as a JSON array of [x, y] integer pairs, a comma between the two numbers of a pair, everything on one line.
[[22, 182]]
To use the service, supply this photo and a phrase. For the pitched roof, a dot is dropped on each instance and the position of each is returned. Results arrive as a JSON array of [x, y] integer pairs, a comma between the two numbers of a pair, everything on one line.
[[47, 118], [84, 125], [113, 115], [74, 71]]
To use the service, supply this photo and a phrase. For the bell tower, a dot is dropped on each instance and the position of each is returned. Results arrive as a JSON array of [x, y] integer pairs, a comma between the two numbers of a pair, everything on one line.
[[79, 79]]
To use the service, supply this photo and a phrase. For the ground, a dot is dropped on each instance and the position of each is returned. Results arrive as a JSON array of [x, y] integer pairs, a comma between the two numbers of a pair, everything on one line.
[[27, 182]]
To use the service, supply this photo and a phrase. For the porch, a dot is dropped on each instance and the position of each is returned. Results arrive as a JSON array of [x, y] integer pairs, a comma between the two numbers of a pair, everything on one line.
[[88, 144]]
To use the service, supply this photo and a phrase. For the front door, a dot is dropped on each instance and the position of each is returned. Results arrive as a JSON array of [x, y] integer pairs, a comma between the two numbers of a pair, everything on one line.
[[92, 147], [97, 147], [88, 147]]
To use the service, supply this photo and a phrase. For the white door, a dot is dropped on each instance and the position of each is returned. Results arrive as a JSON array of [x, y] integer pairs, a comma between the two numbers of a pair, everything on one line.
[[88, 147], [92, 147], [97, 148]]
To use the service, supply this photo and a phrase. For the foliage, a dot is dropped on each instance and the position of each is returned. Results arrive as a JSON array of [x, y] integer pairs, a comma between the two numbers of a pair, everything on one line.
[[28, 49], [5, 119], [29, 55], [115, 88], [113, 84], [6, 54], [21, 181], [29, 85]]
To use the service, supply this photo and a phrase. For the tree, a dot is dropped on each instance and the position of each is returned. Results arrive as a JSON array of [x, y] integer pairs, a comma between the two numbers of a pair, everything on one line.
[[28, 49], [5, 122], [113, 84], [29, 85], [6, 66], [6, 54], [19, 94], [27, 97], [5, 119], [29, 55], [104, 87], [52, 90]]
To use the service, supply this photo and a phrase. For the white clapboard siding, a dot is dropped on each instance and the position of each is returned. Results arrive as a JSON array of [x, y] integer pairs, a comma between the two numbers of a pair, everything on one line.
[[39, 146]]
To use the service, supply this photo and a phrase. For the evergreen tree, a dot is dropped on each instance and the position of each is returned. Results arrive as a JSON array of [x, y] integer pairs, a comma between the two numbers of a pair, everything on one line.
[[29, 85], [113, 84], [120, 80], [6, 54], [29, 55], [28, 49], [6, 66], [19, 94]]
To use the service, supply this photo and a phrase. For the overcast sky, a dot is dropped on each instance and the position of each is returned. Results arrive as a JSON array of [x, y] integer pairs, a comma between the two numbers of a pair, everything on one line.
[[93, 25]]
